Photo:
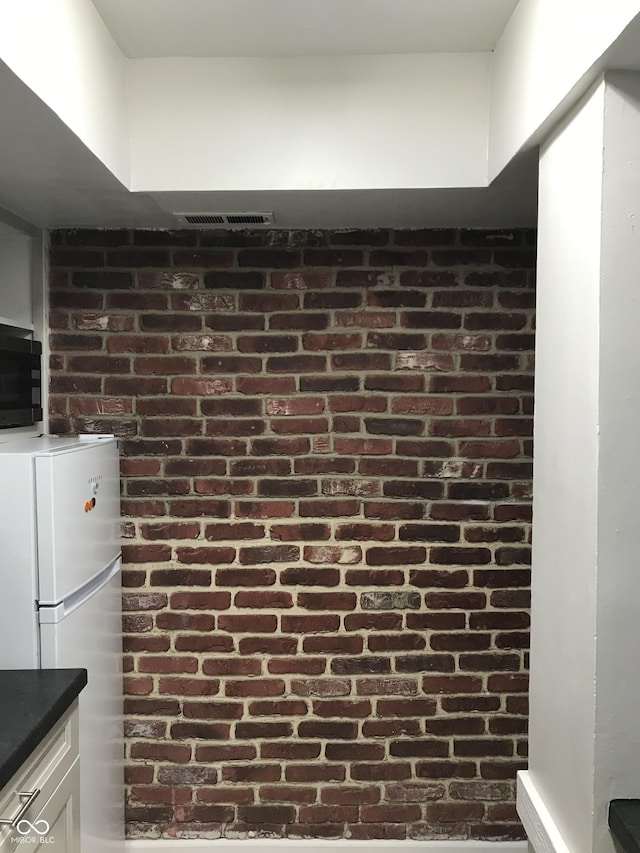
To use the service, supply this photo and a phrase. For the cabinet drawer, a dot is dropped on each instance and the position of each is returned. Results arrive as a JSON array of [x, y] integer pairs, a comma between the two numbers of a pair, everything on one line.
[[57, 824], [43, 771]]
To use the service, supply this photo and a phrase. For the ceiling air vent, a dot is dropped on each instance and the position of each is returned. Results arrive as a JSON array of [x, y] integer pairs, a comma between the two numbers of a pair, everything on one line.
[[232, 220]]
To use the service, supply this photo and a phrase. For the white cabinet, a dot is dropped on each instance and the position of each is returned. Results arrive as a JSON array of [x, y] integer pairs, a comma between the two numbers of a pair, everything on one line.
[[16, 297], [40, 805]]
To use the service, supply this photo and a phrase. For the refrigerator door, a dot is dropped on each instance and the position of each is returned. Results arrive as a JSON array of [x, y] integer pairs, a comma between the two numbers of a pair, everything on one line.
[[78, 511], [86, 631]]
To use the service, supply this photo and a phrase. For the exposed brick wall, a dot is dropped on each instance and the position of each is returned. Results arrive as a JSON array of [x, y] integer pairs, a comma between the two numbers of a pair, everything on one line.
[[326, 467]]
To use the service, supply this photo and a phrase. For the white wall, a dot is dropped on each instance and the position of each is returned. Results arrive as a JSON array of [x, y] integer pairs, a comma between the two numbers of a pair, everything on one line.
[[309, 122], [562, 719], [544, 52], [617, 755], [63, 51], [585, 686]]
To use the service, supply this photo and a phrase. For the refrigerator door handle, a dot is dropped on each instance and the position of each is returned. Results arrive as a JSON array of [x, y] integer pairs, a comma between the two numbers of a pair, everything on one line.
[[56, 613]]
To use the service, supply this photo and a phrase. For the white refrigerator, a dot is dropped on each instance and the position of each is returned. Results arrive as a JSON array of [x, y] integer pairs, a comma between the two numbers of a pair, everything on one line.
[[60, 599]]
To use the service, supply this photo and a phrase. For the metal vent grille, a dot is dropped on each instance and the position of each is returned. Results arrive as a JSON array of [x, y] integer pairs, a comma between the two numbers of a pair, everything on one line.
[[229, 219], [204, 219]]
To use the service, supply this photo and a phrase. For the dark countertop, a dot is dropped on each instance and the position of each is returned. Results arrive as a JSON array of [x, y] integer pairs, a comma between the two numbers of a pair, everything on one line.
[[624, 822], [31, 703]]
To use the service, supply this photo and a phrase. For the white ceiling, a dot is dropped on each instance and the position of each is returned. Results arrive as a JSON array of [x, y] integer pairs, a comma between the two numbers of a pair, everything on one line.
[[198, 28], [49, 178]]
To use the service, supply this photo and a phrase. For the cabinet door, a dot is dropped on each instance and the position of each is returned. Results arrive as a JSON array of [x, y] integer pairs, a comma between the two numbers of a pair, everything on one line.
[[51, 775], [56, 827], [61, 813]]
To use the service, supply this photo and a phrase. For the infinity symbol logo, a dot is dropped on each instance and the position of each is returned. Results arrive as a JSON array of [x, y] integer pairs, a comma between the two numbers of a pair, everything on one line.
[[40, 827]]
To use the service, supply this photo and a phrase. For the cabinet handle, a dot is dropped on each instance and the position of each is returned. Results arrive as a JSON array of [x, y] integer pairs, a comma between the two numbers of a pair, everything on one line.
[[24, 808]]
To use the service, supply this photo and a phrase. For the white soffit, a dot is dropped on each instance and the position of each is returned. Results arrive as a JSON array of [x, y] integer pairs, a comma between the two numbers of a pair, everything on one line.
[[199, 28]]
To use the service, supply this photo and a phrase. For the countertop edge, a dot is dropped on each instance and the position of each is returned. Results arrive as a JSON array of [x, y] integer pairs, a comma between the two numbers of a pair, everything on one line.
[[624, 822], [34, 736]]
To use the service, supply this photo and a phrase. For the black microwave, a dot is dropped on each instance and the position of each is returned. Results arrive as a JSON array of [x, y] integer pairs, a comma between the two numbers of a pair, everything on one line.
[[20, 382]]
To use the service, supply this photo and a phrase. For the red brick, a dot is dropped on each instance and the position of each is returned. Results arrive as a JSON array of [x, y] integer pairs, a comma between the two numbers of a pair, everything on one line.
[[180, 577], [225, 752], [318, 465], [451, 812], [268, 646], [374, 577], [365, 319], [327, 600], [310, 624], [315, 773], [267, 343], [297, 665], [361, 361], [428, 511], [304, 280], [224, 795], [290, 532], [234, 531], [146, 553], [271, 599], [245, 577], [352, 795], [171, 427], [138, 775], [200, 600], [321, 814], [280, 446], [265, 385], [261, 623], [395, 643], [391, 813], [297, 751], [264, 509], [185, 621], [231, 666], [345, 645], [329, 508], [160, 794], [206, 555], [209, 258], [395, 556], [432, 684], [263, 730], [191, 508], [405, 707], [151, 706], [189, 686], [269, 554], [254, 773], [278, 708], [287, 794], [255, 687], [177, 530], [342, 708], [501, 769], [295, 363], [257, 467], [508, 683], [482, 747], [203, 643]]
